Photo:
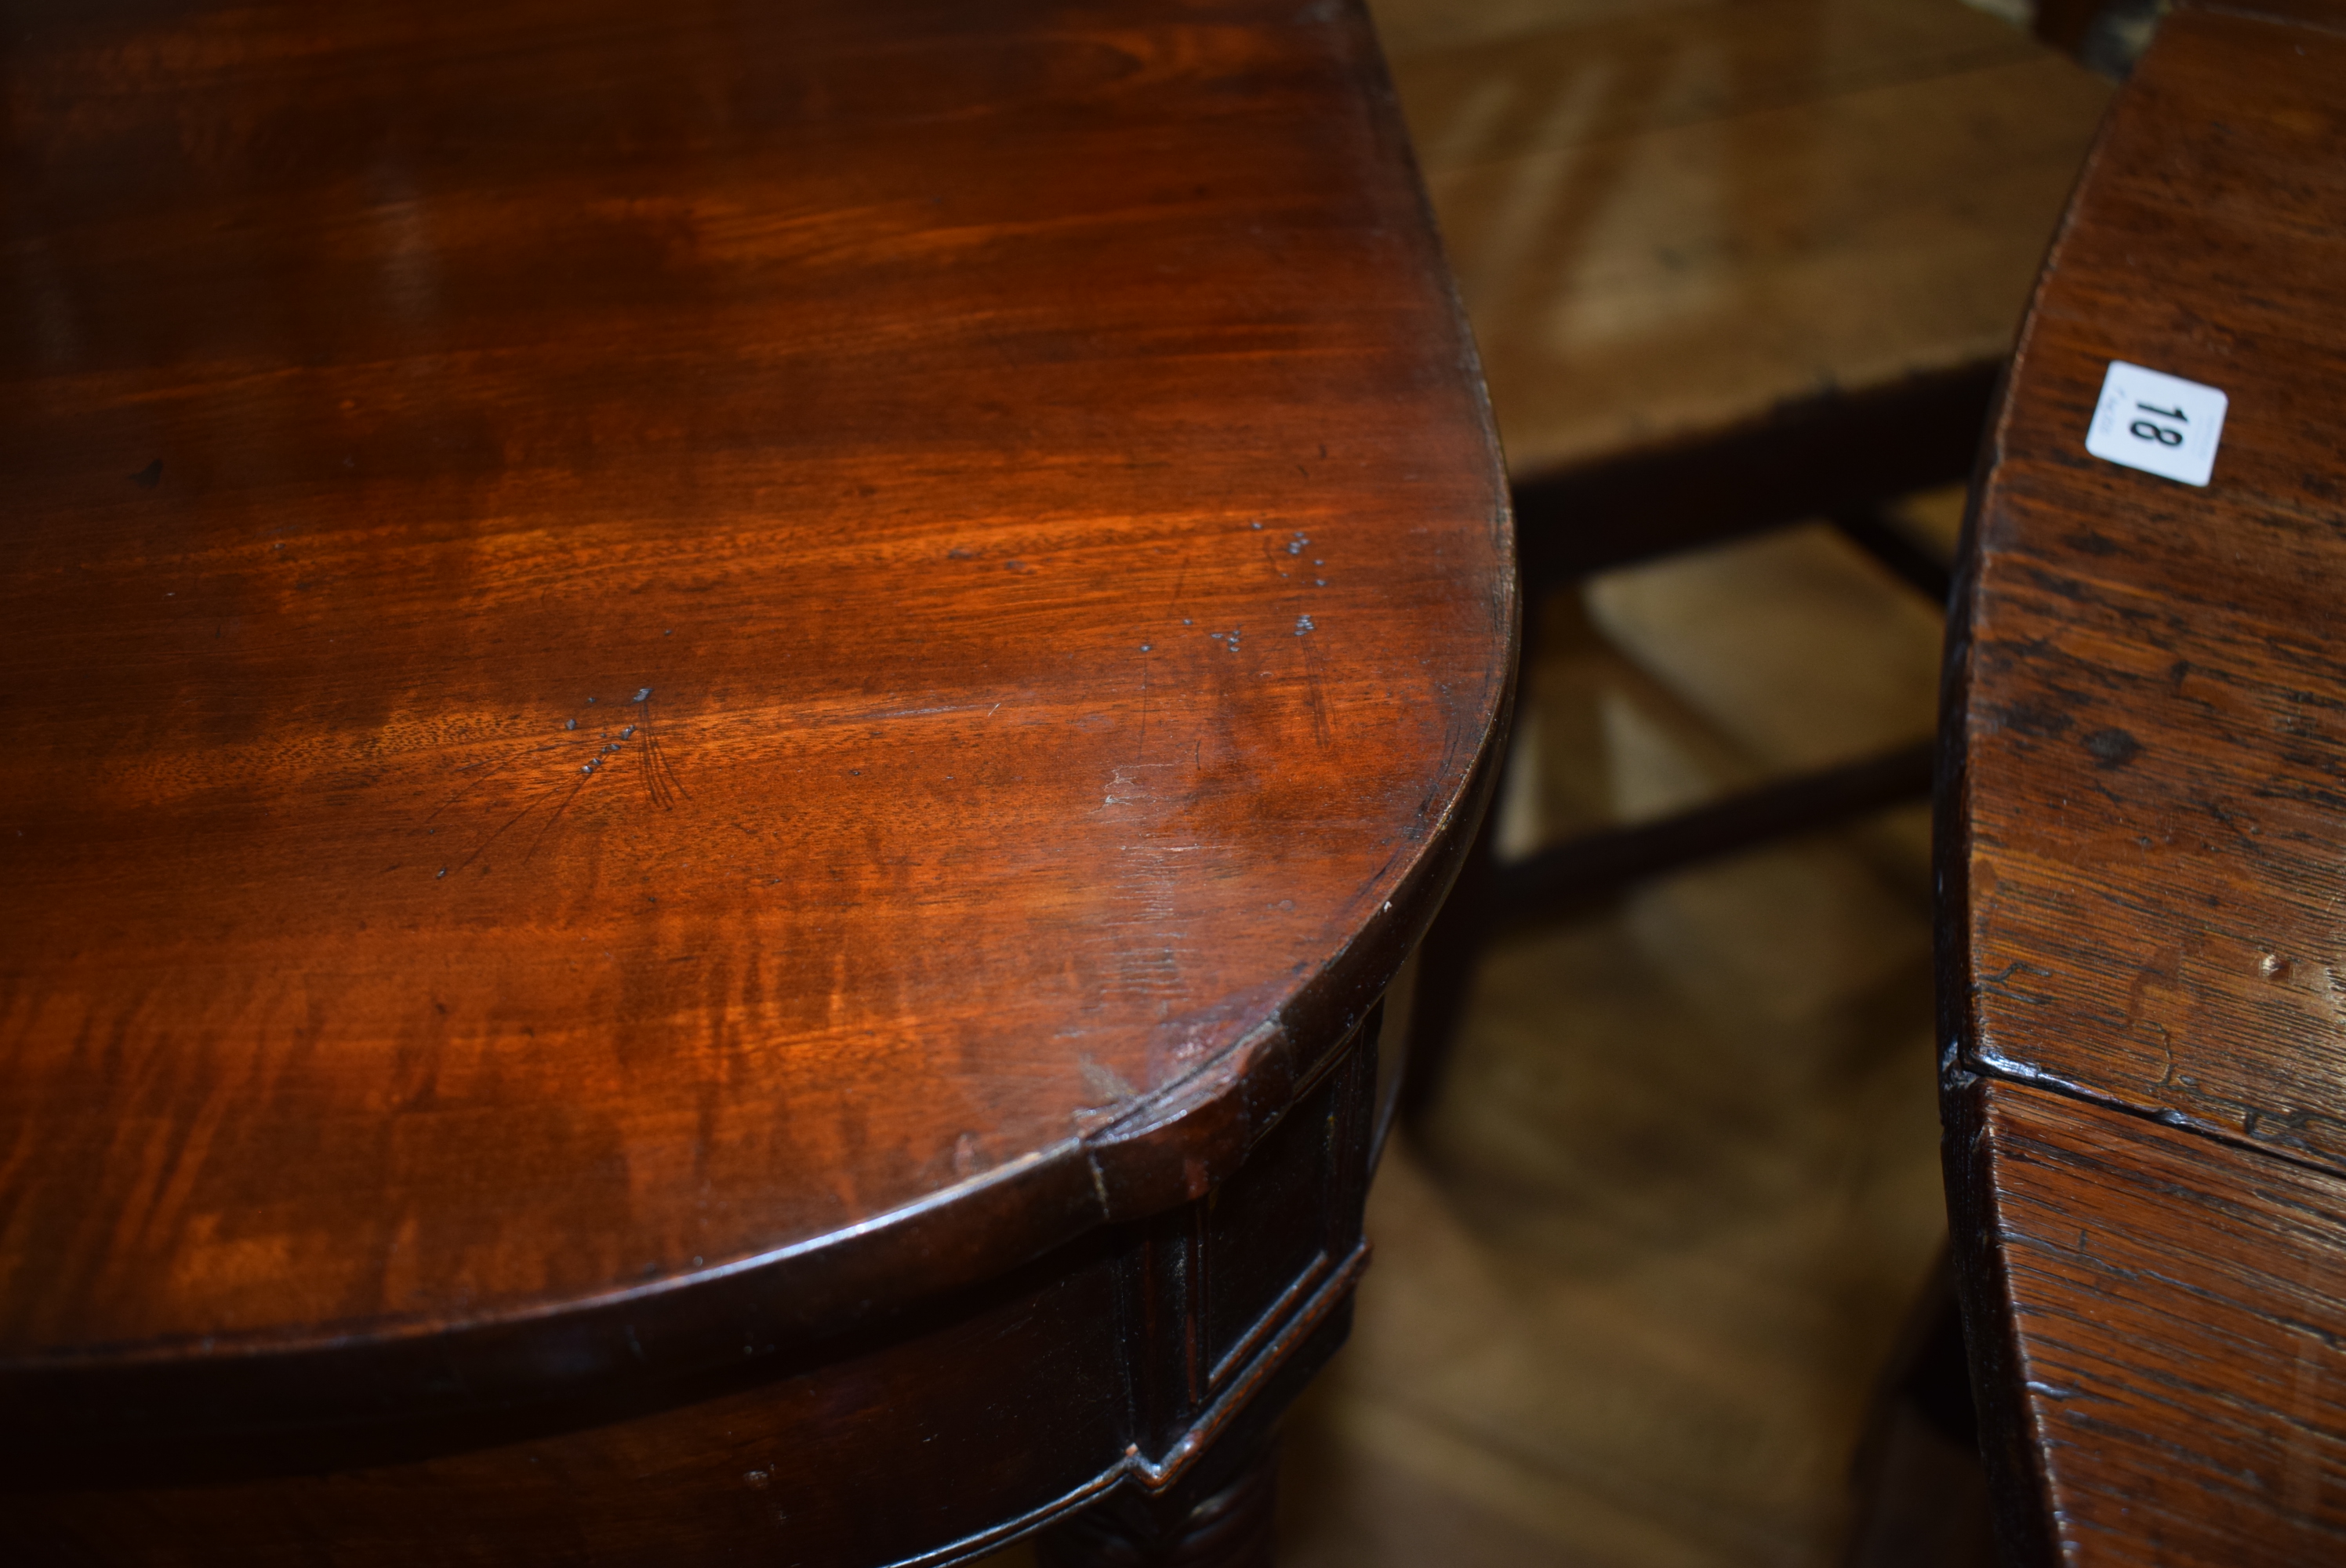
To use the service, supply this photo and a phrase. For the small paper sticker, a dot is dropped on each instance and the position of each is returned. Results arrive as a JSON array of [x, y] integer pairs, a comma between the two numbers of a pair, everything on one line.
[[2159, 423]]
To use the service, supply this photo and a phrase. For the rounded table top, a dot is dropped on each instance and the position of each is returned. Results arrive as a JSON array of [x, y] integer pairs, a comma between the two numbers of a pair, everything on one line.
[[660, 655], [2144, 971]]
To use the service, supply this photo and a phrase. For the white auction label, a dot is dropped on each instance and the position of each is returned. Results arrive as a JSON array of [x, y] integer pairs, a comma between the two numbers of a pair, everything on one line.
[[2159, 423]]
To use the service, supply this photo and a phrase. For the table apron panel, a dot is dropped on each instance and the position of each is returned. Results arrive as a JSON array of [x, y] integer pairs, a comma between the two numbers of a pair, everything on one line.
[[1118, 1359]]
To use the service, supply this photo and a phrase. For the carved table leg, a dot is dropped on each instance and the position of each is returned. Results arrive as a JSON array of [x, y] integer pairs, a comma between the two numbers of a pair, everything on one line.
[[1229, 1527]]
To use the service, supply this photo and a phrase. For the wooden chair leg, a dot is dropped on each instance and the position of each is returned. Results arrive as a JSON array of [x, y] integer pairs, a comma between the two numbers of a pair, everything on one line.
[[1445, 976], [1920, 1489], [1447, 955]]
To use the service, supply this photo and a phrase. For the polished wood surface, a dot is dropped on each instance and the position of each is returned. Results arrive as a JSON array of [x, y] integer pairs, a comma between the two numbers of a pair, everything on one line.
[[680, 674], [2143, 843]]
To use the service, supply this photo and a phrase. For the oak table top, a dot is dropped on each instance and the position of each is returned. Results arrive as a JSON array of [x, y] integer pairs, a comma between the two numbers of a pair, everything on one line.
[[2143, 853], [670, 664]]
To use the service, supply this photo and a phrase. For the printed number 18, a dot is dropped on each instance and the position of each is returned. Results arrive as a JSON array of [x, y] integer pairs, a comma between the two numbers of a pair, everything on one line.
[[2144, 430]]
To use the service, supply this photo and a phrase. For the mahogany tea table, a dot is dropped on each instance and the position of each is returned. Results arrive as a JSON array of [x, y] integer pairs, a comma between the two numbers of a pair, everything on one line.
[[2143, 821], [720, 719]]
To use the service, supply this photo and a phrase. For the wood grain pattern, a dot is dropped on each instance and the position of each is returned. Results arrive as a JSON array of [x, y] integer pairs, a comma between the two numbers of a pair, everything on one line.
[[679, 672], [2177, 1344], [2141, 843]]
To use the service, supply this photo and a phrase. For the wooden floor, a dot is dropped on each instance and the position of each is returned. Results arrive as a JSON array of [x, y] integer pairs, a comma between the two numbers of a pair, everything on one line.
[[1632, 1292]]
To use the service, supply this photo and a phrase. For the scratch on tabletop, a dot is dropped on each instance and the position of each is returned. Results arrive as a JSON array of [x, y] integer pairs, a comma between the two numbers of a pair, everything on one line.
[[496, 767], [500, 831], [584, 774], [1144, 700], [1295, 544], [662, 785]]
